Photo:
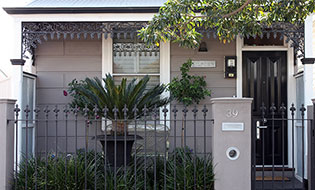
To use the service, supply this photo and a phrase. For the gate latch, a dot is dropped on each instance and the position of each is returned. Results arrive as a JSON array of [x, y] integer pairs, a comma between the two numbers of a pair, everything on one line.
[[258, 126]]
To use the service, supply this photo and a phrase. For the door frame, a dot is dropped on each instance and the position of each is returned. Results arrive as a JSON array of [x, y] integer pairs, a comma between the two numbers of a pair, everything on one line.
[[291, 89]]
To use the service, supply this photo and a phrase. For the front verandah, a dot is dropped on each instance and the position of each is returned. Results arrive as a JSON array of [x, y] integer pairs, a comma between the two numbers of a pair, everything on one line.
[[88, 34]]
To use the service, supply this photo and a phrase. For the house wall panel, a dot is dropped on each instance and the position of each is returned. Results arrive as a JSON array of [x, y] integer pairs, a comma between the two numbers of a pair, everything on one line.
[[216, 83], [50, 80], [69, 76], [58, 62], [54, 48], [51, 96], [80, 59], [68, 63], [216, 79], [219, 86], [83, 47]]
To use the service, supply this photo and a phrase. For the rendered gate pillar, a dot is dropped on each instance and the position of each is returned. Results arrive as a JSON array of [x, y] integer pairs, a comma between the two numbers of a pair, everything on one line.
[[6, 143], [231, 143]]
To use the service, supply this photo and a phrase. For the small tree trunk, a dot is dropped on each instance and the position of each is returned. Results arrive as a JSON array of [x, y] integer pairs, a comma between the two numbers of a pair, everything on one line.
[[119, 127], [183, 134]]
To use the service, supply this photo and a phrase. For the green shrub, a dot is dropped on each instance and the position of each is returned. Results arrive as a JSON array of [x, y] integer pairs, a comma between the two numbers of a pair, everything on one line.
[[56, 176], [183, 163], [188, 89]]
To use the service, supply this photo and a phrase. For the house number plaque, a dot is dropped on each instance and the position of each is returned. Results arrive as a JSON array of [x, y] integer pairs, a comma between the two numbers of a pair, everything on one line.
[[232, 113]]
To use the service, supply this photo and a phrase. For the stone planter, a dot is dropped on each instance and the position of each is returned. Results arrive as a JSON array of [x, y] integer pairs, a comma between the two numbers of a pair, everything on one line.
[[120, 148]]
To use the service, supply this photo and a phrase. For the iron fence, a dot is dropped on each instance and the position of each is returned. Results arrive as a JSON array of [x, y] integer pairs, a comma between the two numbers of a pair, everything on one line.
[[58, 147], [279, 146]]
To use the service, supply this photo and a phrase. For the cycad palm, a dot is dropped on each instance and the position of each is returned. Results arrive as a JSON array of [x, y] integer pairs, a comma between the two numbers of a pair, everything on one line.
[[135, 94]]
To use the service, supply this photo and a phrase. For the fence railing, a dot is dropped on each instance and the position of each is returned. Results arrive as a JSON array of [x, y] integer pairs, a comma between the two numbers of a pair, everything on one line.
[[279, 146], [58, 147]]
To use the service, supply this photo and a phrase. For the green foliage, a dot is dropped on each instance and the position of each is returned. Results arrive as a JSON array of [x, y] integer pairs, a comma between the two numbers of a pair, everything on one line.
[[182, 160], [92, 92], [56, 175], [180, 20], [189, 89]]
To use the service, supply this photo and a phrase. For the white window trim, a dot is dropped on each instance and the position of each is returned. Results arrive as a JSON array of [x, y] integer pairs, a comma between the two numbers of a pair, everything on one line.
[[165, 60], [165, 65]]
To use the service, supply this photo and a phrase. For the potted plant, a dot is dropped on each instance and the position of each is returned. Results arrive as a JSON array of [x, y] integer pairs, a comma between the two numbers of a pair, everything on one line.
[[188, 89], [120, 101]]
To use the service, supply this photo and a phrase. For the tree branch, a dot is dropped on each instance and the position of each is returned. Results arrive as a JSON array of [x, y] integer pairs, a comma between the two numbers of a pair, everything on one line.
[[227, 15], [237, 10]]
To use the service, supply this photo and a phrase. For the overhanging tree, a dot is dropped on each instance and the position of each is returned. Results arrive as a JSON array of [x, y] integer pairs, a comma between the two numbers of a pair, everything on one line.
[[182, 21]]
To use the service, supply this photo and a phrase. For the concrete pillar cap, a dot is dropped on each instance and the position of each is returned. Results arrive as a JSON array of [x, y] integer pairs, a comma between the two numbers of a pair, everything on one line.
[[8, 101], [230, 100]]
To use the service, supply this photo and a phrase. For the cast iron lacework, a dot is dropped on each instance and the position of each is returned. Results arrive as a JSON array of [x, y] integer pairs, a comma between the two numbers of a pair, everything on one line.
[[128, 48], [33, 33]]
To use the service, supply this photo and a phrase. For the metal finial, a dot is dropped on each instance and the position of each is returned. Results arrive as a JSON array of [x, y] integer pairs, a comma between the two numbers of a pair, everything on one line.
[[56, 110], [185, 110], [135, 111], [85, 110], [205, 110], [75, 110], [105, 110], [273, 109], [195, 110], [95, 109], [165, 110], [115, 110], [145, 110], [125, 111], [175, 110], [282, 109]]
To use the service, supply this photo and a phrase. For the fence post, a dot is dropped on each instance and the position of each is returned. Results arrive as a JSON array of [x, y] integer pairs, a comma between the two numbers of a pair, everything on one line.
[[231, 143], [6, 143]]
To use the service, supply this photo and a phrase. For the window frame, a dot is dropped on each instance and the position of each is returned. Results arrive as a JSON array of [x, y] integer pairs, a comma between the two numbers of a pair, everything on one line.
[[165, 65], [31, 124]]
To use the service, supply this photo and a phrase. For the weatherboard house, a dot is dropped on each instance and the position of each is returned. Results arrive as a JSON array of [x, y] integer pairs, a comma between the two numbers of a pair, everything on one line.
[[59, 41]]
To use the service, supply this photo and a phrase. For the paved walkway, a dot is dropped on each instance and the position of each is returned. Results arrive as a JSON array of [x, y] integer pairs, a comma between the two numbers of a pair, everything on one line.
[[288, 184]]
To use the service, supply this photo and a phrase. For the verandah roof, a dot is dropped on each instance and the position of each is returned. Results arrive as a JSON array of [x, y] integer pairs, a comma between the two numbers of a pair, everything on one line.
[[87, 6], [96, 3], [33, 33]]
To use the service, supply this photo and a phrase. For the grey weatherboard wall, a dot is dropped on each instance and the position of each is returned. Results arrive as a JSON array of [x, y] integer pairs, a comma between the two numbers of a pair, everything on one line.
[[60, 61]]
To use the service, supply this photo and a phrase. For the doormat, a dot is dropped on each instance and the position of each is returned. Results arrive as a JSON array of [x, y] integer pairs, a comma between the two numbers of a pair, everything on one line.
[[269, 178]]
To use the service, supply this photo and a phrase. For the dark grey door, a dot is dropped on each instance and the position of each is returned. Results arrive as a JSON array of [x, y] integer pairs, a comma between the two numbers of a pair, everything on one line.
[[265, 80]]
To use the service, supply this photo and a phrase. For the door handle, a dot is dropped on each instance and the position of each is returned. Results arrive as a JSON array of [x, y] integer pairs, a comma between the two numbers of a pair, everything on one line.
[[258, 126]]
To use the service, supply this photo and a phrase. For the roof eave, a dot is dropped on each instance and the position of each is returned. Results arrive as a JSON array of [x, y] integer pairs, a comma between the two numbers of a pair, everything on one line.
[[79, 10]]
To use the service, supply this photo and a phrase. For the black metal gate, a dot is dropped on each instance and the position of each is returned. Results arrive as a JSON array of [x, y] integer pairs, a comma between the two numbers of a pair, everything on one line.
[[288, 172]]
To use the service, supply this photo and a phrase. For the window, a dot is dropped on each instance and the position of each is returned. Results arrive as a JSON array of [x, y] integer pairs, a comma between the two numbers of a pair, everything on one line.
[[28, 99], [133, 59]]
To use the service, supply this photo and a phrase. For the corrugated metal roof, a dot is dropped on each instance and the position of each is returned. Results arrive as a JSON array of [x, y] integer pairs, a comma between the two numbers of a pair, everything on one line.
[[96, 3]]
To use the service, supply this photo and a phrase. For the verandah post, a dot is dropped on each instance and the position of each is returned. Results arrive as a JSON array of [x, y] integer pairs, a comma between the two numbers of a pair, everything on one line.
[[6, 143], [231, 143]]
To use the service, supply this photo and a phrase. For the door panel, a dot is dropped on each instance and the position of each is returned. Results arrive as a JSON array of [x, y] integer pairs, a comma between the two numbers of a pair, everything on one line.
[[265, 80]]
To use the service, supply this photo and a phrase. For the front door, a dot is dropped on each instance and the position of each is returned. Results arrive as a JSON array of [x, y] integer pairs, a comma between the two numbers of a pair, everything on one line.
[[265, 80]]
